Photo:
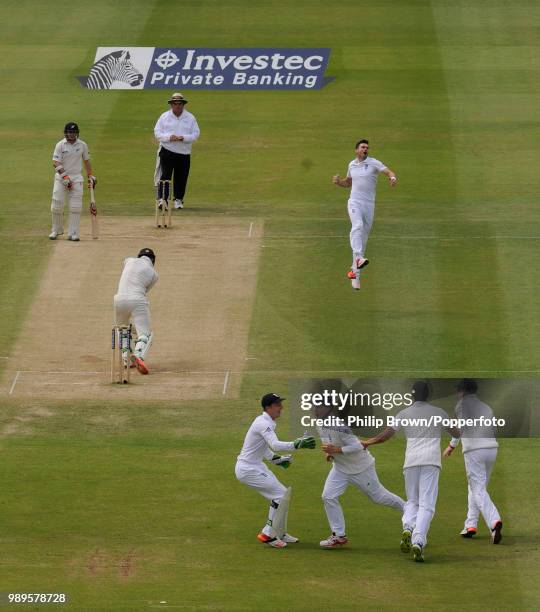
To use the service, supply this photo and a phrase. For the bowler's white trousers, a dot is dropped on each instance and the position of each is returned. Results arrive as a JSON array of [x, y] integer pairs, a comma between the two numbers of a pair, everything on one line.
[[260, 478], [422, 488], [367, 481], [361, 214], [478, 465]]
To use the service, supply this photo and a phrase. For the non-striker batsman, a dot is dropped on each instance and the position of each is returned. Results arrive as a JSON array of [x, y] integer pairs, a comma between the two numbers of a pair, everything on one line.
[[68, 157]]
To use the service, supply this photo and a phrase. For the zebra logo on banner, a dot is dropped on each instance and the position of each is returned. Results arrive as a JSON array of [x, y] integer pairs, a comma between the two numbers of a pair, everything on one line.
[[118, 68]]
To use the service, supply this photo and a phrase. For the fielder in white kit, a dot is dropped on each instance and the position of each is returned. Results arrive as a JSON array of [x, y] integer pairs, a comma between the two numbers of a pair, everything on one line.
[[68, 157], [261, 443], [362, 175], [352, 464], [479, 452], [131, 304], [422, 465]]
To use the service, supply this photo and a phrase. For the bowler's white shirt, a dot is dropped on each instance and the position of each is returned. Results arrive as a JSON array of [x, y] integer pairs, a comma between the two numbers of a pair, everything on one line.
[[354, 458], [71, 156], [138, 277], [473, 438], [364, 175], [423, 441], [185, 125], [261, 441]]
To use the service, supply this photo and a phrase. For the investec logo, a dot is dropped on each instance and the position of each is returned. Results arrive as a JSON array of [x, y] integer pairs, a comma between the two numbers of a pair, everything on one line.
[[209, 68]]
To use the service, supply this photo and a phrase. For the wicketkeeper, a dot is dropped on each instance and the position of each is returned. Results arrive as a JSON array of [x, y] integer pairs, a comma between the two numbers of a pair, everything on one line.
[[131, 304], [261, 443], [68, 156]]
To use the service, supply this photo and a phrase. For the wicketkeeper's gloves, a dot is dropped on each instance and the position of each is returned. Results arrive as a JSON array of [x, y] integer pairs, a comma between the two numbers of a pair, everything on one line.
[[283, 462], [308, 442]]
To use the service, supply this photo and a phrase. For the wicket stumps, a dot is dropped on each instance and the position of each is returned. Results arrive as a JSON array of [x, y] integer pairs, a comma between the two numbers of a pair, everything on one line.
[[121, 354], [163, 206]]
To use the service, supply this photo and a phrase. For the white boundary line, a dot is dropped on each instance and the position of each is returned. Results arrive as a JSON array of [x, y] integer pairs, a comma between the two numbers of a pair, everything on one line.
[[226, 383], [14, 382]]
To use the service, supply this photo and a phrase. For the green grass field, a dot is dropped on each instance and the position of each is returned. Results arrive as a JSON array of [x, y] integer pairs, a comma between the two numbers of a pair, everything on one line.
[[125, 506]]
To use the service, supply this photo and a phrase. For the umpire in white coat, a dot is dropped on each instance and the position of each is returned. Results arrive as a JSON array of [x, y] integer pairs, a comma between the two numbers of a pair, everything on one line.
[[176, 130], [479, 452]]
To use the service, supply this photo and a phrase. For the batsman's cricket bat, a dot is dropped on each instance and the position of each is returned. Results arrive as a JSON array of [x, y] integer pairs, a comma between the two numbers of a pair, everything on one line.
[[93, 215]]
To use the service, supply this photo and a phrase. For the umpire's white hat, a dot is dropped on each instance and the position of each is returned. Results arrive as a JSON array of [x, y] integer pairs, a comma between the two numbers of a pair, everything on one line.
[[177, 97]]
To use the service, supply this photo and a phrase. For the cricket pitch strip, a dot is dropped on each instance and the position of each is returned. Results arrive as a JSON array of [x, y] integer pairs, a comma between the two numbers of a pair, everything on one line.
[[200, 311]]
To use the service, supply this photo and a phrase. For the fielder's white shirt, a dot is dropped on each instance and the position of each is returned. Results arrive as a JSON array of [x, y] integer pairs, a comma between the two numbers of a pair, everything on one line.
[[354, 458], [423, 441], [185, 125], [364, 175], [138, 277], [71, 156], [261, 441], [474, 437]]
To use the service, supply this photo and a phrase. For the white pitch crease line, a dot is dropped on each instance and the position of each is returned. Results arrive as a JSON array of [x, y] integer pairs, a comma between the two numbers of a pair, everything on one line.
[[14, 382], [250, 229], [226, 383]]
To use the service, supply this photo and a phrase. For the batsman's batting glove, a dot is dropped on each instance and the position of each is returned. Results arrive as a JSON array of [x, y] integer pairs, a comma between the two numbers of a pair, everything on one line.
[[308, 442], [92, 181], [283, 462], [66, 181]]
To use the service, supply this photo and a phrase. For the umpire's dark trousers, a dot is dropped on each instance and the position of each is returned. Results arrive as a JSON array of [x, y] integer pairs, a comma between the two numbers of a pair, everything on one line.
[[176, 163]]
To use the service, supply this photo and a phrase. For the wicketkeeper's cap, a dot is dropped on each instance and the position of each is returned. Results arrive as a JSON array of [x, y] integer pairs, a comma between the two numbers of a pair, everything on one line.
[[177, 97], [468, 385], [269, 399]]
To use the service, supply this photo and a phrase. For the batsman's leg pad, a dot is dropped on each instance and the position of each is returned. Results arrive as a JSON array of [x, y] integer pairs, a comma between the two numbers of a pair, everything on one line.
[[144, 342]]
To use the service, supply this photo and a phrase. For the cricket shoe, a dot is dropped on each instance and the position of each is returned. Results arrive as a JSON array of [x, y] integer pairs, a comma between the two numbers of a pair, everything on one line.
[[418, 553], [289, 539], [496, 534], [355, 283], [334, 541], [361, 263], [178, 204], [405, 544], [54, 235], [468, 532], [73, 238], [141, 366], [274, 542]]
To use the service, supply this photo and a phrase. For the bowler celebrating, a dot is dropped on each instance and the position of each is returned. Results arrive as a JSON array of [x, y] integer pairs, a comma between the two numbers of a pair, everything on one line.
[[362, 175], [261, 443]]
